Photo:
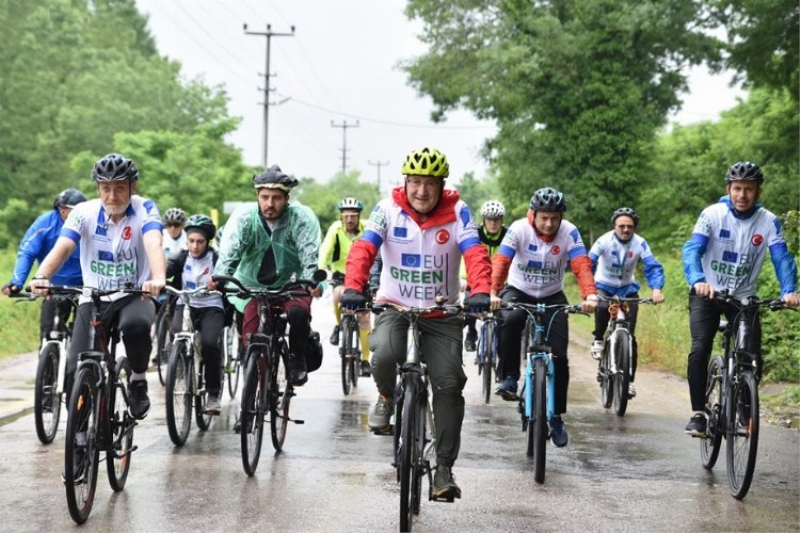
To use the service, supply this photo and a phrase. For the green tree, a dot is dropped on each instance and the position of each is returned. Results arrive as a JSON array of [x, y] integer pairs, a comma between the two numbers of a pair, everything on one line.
[[323, 198]]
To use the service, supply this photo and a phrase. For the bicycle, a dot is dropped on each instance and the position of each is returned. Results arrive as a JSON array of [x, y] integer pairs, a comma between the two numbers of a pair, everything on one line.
[[486, 357], [350, 351], [537, 397], [163, 337], [732, 405], [413, 415], [97, 411], [232, 360], [615, 367], [186, 374], [266, 389], [49, 387]]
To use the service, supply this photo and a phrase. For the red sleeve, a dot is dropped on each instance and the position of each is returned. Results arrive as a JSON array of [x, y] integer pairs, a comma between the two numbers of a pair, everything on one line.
[[359, 260], [582, 268], [500, 267], [479, 269]]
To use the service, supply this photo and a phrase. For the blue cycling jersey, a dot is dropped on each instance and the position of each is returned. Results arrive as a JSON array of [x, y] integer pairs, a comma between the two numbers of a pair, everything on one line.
[[40, 238]]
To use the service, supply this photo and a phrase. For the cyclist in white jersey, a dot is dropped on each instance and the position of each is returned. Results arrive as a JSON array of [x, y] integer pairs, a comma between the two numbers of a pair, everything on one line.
[[174, 236], [614, 258], [726, 251], [120, 244]]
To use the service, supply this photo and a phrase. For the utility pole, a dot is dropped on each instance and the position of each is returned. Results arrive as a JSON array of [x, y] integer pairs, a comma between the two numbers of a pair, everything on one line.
[[269, 34], [379, 165], [344, 125]]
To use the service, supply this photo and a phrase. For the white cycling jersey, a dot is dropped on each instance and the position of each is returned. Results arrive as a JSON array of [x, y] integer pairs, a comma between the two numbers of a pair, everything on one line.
[[537, 267], [196, 273], [113, 254], [173, 246], [735, 247], [617, 260]]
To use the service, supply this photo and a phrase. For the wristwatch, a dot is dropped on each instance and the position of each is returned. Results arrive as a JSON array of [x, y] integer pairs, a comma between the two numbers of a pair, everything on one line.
[[40, 276]]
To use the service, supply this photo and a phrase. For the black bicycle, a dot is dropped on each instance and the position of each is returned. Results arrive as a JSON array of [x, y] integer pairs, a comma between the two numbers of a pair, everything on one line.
[[97, 410], [266, 390], [732, 405], [163, 336], [486, 357]]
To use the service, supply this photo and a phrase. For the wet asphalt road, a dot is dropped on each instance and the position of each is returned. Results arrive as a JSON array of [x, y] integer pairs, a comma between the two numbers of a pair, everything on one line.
[[637, 473]]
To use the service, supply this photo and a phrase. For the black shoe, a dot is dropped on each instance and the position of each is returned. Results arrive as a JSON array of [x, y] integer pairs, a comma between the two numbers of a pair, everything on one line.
[[297, 370], [335, 335], [508, 389], [558, 433], [471, 341], [697, 425], [366, 370], [140, 402]]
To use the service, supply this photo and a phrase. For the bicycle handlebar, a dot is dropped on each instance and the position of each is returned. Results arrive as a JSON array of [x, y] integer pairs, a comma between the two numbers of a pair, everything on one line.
[[753, 301], [187, 293], [602, 298], [541, 308], [451, 310], [289, 289]]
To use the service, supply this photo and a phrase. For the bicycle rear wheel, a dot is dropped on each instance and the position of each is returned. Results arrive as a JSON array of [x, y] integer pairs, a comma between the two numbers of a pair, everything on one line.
[[47, 400], [281, 394], [709, 447], [742, 434], [605, 378], [485, 345], [81, 450], [355, 347], [346, 352], [623, 376], [539, 423], [233, 363], [254, 397], [407, 456], [201, 398], [120, 424], [179, 394]]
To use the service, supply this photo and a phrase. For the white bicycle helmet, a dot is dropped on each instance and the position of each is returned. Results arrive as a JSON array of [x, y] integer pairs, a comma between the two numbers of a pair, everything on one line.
[[493, 209]]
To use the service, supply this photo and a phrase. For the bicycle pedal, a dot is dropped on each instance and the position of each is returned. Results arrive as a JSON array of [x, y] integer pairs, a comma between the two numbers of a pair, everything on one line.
[[299, 421]]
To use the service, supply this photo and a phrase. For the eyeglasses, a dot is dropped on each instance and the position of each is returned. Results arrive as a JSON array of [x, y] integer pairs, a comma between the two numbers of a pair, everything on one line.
[[418, 183], [624, 226], [349, 216]]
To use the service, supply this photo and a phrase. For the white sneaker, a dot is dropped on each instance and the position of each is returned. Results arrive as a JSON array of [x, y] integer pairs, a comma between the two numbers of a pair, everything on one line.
[[597, 350], [631, 391]]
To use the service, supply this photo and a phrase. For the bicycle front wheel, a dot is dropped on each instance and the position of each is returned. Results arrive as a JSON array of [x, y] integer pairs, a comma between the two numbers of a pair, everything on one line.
[[539, 423], [233, 363], [203, 420], [164, 338], [179, 394], [47, 400], [742, 433], [622, 378], [281, 398], [355, 348], [81, 450], [709, 447], [254, 398], [407, 457], [485, 347], [120, 425], [605, 378]]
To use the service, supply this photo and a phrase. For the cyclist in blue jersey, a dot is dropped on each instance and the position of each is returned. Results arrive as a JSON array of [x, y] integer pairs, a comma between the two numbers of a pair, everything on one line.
[[727, 249], [36, 244]]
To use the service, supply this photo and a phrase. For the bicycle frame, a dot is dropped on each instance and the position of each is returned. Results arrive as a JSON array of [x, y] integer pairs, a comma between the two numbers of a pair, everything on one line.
[[537, 350]]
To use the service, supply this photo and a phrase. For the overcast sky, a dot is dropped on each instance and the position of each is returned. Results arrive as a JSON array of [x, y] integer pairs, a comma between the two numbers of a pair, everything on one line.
[[340, 66]]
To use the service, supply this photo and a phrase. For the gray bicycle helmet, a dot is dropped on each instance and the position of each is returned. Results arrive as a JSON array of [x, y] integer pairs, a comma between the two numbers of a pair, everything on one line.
[[114, 167], [628, 212], [548, 200], [203, 224], [175, 216], [69, 198], [274, 178], [744, 170]]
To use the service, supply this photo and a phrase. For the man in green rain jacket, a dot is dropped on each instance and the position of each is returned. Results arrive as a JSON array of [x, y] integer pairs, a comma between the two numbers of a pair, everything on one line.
[[265, 245]]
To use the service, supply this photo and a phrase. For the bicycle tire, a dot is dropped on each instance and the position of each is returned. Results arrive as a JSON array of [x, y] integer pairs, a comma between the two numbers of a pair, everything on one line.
[[345, 352], [419, 448], [252, 414], [398, 423], [163, 346], [179, 394], [606, 380], [539, 422], [623, 376], [742, 431], [485, 359], [82, 412], [46, 391], [120, 425], [281, 394], [201, 398], [407, 446], [355, 344], [709, 447], [232, 345]]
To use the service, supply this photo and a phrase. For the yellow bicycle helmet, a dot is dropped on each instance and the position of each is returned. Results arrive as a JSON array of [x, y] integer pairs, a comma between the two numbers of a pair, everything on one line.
[[426, 162]]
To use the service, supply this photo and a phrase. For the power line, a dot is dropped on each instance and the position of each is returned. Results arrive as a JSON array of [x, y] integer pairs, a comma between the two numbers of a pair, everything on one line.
[[344, 125], [269, 34]]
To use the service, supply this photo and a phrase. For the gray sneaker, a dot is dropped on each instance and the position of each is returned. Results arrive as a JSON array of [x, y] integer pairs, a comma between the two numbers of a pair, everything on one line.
[[444, 485], [213, 404], [381, 413]]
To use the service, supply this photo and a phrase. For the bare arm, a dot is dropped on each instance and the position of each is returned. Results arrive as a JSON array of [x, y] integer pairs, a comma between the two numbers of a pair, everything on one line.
[[158, 263]]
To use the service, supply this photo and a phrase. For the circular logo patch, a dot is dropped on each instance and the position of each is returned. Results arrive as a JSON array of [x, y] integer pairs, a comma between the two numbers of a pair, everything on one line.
[[757, 239], [442, 236]]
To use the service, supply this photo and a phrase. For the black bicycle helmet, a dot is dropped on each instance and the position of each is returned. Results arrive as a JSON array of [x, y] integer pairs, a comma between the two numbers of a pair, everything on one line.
[[548, 200], [175, 216], [203, 224], [744, 170], [69, 198], [114, 167], [628, 212], [274, 178]]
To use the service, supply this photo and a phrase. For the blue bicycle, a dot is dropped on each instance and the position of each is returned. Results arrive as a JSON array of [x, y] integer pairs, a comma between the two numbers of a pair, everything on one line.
[[537, 398]]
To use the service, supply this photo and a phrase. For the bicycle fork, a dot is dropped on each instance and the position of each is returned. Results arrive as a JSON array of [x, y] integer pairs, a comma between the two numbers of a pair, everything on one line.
[[528, 386]]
